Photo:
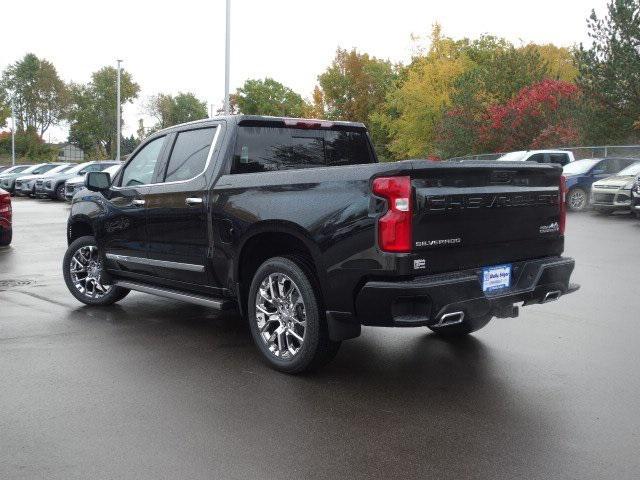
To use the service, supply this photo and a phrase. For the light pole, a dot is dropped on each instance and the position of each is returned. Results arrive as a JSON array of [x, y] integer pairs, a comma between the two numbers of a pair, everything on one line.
[[118, 112], [13, 134], [226, 60]]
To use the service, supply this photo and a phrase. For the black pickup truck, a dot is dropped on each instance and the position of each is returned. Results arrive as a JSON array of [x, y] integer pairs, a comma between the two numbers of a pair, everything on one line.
[[295, 224]]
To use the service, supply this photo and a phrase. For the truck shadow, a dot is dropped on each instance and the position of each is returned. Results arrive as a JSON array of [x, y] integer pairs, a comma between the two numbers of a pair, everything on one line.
[[413, 401]]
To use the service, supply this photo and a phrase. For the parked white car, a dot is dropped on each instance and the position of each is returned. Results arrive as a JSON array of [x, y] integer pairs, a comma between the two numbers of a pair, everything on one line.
[[561, 157]]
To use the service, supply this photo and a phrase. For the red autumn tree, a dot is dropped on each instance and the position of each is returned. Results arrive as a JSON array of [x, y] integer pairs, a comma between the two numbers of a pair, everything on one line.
[[541, 115]]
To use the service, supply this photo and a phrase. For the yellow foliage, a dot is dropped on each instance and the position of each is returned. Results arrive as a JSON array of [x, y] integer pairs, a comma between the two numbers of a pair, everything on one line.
[[423, 97]]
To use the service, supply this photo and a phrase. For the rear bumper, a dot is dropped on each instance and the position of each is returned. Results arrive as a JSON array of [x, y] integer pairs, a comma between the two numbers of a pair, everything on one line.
[[423, 301]]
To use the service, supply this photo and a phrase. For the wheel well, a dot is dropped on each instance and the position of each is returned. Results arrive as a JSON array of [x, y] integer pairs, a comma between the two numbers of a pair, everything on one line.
[[79, 229], [262, 247]]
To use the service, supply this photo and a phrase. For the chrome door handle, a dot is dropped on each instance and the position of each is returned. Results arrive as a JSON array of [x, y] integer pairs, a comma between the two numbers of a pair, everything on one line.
[[193, 201], [137, 202]]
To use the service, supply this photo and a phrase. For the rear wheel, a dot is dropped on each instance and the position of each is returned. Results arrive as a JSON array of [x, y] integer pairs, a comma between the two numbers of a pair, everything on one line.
[[285, 316], [83, 269], [577, 199], [467, 326]]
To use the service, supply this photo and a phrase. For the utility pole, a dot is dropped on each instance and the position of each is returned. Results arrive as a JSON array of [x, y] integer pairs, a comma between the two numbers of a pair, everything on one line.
[[118, 134], [13, 134], [226, 60]]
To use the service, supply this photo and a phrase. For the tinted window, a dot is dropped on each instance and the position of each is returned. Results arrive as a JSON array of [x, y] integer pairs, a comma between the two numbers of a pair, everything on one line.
[[609, 166], [189, 154], [43, 169], [538, 157], [346, 148], [260, 149], [561, 158], [139, 171]]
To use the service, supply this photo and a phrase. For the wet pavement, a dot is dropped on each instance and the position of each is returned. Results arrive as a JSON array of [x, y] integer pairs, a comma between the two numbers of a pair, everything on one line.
[[153, 388]]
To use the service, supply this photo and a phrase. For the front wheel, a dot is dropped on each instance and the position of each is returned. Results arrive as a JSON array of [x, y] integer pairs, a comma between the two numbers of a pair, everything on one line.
[[83, 269], [577, 199], [286, 321]]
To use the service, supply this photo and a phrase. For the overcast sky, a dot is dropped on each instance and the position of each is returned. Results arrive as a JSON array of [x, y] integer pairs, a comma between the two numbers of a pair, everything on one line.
[[179, 45]]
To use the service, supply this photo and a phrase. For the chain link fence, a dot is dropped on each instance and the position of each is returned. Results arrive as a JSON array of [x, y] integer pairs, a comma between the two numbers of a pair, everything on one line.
[[628, 151]]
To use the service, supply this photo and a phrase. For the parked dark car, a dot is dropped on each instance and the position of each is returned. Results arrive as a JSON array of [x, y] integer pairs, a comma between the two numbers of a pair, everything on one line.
[[6, 230], [581, 175], [294, 223]]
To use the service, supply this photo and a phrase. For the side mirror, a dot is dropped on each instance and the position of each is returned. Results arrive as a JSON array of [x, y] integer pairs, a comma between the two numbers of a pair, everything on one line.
[[97, 181], [82, 173]]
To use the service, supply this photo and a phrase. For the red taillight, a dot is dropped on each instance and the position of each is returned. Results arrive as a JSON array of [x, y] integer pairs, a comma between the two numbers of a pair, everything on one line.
[[394, 227], [5, 206], [563, 204]]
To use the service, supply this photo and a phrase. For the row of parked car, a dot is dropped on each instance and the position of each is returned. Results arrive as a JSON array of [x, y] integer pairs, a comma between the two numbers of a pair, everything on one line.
[[57, 180], [604, 184]]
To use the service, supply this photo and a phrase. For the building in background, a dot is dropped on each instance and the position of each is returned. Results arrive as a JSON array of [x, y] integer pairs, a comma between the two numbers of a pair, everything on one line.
[[69, 153]]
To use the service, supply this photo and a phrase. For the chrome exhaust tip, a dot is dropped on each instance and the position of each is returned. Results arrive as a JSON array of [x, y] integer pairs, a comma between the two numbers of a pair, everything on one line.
[[447, 319], [551, 296]]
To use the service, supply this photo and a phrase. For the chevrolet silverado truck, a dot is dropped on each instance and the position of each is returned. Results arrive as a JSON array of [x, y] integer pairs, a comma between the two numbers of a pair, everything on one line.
[[296, 225]]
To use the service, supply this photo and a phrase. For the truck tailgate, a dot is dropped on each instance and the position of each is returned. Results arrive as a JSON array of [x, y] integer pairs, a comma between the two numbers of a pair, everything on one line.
[[478, 214]]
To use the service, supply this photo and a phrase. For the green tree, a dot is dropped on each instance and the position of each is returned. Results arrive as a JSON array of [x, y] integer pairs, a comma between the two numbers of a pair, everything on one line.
[[354, 85], [269, 97], [609, 74], [40, 97], [93, 111], [169, 110], [5, 109], [415, 109]]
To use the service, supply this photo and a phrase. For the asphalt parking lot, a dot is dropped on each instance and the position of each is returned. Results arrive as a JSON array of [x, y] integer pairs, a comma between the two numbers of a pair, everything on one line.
[[153, 388]]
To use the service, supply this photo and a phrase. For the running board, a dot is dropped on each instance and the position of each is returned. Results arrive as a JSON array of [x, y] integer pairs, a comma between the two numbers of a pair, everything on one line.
[[217, 303]]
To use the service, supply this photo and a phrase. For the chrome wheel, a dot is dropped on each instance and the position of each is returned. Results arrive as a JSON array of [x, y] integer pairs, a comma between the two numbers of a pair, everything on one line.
[[280, 315], [86, 272], [577, 199]]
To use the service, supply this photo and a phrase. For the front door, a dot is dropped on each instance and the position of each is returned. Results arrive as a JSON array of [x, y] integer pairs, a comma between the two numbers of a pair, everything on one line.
[[125, 240], [178, 225]]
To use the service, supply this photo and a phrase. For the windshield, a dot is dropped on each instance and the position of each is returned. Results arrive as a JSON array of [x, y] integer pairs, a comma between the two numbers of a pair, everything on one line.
[[76, 168], [579, 166], [16, 169], [42, 169], [58, 169], [512, 156], [631, 170]]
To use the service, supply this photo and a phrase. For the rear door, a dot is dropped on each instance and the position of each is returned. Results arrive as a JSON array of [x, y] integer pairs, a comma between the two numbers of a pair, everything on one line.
[[177, 209], [124, 239]]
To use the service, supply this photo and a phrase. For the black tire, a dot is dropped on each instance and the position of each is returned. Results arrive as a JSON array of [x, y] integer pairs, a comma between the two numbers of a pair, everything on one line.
[[114, 294], [467, 326], [577, 199], [5, 237], [59, 195], [317, 349]]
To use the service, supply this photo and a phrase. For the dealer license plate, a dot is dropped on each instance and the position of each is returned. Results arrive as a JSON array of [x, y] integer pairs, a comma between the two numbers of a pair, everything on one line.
[[496, 278]]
